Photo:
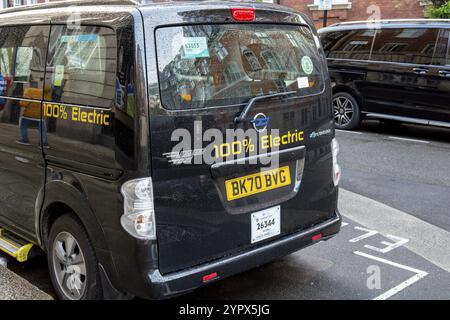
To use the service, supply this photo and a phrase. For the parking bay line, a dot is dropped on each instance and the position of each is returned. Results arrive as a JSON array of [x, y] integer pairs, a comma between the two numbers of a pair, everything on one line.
[[408, 139], [419, 274], [348, 131], [426, 240]]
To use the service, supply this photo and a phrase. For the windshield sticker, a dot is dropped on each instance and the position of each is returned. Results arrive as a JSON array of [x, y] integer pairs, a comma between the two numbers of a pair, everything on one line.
[[80, 38], [195, 47], [307, 65], [59, 76], [303, 82]]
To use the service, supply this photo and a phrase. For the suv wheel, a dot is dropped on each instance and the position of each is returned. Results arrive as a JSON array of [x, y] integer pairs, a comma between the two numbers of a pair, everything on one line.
[[346, 111], [72, 262]]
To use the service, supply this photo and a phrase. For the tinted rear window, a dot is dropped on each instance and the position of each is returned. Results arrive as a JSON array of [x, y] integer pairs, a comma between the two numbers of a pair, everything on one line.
[[216, 65], [407, 45]]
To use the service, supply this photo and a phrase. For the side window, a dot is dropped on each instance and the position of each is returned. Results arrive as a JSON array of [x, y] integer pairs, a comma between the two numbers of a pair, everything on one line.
[[354, 44], [22, 64], [448, 55], [125, 89], [81, 66], [441, 56], [405, 45]]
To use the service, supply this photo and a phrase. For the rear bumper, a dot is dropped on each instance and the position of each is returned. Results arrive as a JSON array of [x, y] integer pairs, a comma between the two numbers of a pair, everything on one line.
[[165, 286]]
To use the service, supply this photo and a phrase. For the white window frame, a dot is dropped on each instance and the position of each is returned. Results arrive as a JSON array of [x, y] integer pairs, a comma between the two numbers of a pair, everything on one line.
[[337, 4]]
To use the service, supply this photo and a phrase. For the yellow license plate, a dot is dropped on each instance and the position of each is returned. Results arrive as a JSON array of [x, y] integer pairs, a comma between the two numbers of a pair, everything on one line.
[[257, 183]]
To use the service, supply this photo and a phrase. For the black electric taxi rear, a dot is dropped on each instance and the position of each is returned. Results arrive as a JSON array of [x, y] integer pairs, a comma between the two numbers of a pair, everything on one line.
[[209, 151]]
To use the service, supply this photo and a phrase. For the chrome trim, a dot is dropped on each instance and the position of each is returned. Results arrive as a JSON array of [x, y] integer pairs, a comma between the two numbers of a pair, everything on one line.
[[388, 21], [385, 62], [409, 120], [19, 99], [439, 124]]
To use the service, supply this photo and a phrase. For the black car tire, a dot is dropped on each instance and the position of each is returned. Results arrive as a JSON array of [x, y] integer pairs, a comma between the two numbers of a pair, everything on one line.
[[346, 111], [69, 226]]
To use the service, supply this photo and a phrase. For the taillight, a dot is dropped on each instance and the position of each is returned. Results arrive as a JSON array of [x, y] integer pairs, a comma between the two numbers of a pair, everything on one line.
[[336, 168], [243, 14], [210, 277], [138, 217]]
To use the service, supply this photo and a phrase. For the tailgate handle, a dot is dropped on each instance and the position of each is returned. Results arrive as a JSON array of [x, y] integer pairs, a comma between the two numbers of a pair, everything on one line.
[[252, 101], [228, 168]]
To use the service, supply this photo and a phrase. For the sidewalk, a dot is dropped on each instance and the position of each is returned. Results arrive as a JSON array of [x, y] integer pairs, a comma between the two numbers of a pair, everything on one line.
[[13, 287]]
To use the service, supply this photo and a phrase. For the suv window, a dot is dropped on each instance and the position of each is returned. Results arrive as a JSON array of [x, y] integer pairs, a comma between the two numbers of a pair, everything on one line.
[[218, 65], [409, 45], [354, 44], [81, 65], [22, 60], [447, 62], [448, 56], [442, 46]]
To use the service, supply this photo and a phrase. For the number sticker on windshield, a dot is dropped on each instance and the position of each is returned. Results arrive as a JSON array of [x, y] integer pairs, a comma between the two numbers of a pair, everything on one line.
[[195, 47]]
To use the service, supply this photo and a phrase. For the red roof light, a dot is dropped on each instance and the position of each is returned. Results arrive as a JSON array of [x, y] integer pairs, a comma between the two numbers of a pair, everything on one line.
[[243, 14]]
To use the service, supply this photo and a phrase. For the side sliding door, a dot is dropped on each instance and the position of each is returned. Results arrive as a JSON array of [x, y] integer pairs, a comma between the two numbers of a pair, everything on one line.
[[23, 50]]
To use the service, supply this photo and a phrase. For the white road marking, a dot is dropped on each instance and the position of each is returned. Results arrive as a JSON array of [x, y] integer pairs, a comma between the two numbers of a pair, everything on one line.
[[428, 241], [389, 245], [366, 235], [346, 131], [419, 274], [407, 139], [343, 224]]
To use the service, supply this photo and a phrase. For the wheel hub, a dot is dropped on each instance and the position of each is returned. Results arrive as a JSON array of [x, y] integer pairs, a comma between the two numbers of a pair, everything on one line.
[[69, 266]]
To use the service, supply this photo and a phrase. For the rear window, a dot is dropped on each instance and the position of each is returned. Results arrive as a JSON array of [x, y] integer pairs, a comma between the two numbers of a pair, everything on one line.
[[216, 65]]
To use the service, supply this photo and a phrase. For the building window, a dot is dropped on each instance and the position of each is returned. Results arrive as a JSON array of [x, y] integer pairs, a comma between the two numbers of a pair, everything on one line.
[[334, 2], [337, 4]]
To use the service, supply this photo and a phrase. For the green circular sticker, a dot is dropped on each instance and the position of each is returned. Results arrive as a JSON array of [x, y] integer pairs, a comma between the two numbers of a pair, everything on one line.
[[307, 65]]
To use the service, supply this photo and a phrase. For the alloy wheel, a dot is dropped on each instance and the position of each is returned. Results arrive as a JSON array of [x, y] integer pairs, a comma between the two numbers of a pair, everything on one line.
[[69, 266], [343, 110]]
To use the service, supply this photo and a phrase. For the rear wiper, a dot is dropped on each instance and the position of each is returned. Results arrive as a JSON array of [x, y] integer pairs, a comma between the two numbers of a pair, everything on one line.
[[242, 116]]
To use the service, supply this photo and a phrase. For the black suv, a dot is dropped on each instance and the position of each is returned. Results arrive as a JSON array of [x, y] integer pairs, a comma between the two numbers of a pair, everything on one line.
[[392, 70]]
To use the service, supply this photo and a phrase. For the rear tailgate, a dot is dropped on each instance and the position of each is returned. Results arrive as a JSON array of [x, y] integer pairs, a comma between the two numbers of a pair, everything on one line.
[[209, 181]]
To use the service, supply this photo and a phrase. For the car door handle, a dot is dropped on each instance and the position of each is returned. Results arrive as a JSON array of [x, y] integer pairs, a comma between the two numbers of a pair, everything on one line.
[[443, 73], [420, 70]]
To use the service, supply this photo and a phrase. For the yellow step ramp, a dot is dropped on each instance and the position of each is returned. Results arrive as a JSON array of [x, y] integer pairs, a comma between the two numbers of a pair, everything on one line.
[[13, 246]]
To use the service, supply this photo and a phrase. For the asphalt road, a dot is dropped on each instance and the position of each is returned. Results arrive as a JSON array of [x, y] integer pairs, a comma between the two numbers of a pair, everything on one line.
[[393, 245], [410, 175]]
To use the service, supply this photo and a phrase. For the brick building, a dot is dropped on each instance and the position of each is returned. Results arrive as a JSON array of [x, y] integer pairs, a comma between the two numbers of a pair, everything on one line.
[[16, 3], [351, 10]]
